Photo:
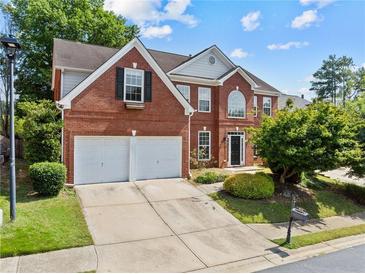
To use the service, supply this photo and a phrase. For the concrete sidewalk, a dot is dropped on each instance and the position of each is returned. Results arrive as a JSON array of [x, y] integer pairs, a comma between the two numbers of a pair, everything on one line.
[[278, 230]]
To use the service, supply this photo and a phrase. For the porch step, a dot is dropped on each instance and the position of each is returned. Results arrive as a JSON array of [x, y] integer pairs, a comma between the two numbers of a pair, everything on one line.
[[244, 169]]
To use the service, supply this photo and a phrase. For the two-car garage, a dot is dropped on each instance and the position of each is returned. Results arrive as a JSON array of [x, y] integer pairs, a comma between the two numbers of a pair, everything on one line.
[[99, 159]]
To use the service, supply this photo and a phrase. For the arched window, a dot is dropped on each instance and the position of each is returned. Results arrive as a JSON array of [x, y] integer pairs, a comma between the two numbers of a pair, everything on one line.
[[236, 105]]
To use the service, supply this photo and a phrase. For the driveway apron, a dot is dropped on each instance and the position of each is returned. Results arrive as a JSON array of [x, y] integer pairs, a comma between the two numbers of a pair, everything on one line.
[[163, 226]]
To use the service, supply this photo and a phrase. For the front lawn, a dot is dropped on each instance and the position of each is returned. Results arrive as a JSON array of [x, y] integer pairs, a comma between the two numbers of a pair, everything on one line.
[[319, 204], [43, 223], [322, 236]]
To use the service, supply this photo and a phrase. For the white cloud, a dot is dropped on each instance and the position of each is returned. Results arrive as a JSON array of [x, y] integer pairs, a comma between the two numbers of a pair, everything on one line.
[[175, 10], [305, 20], [289, 45], [239, 53], [251, 20], [156, 32], [363, 65], [318, 3], [149, 14]]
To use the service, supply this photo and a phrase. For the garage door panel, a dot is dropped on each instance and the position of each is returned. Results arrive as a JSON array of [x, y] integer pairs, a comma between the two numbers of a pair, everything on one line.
[[101, 159], [158, 158], [116, 160]]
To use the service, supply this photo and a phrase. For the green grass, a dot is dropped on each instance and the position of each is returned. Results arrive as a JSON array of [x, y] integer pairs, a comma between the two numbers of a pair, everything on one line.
[[319, 237], [42, 223], [319, 204]]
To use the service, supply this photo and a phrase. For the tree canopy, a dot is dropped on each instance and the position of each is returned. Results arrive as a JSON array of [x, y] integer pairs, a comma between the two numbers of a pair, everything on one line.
[[338, 80], [319, 137], [37, 22]]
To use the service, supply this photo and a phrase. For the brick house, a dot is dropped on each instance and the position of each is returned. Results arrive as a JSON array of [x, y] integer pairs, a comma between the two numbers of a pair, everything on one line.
[[135, 113]]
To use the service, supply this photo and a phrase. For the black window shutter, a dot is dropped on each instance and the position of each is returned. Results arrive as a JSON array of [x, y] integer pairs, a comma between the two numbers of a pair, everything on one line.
[[148, 86], [119, 84]]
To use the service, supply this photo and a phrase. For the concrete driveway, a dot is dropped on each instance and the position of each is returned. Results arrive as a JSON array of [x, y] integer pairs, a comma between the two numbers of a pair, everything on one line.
[[163, 226]]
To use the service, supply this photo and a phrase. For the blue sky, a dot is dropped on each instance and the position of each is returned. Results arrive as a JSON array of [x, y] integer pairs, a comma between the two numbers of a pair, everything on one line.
[[283, 42]]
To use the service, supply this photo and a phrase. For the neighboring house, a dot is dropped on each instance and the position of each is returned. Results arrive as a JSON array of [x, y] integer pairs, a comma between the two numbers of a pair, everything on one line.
[[298, 102], [135, 113]]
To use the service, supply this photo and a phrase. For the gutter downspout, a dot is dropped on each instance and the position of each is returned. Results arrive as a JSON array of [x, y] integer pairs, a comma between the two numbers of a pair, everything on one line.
[[189, 137], [60, 107]]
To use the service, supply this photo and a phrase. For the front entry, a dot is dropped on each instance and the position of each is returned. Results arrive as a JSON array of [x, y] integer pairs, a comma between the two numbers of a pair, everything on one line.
[[236, 148]]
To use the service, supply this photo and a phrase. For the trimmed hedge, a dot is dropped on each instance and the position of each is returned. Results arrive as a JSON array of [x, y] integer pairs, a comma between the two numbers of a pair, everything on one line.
[[250, 186], [47, 178], [210, 177]]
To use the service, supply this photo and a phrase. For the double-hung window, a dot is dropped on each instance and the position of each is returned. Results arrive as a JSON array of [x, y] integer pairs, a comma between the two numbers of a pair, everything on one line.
[[204, 146], [267, 105], [204, 97], [185, 91], [255, 106], [133, 85]]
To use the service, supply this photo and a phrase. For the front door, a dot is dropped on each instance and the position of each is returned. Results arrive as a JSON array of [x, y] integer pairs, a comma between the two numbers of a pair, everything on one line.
[[235, 150]]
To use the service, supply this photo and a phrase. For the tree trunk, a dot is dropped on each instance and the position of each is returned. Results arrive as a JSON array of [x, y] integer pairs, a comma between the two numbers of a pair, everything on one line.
[[283, 175]]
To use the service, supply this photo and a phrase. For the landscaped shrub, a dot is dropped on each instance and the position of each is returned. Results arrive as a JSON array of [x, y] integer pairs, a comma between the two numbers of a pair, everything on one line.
[[250, 186], [195, 163], [40, 128], [210, 177], [47, 178], [355, 192]]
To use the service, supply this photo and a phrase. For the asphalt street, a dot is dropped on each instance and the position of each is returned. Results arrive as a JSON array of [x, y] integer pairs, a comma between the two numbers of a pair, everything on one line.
[[347, 260]]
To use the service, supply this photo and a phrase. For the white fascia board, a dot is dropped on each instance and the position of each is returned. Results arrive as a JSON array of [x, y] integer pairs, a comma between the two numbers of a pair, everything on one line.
[[135, 43], [243, 74], [193, 80], [266, 92]]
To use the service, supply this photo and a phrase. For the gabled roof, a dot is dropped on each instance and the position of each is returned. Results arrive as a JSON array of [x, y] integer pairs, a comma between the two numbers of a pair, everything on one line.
[[186, 63], [70, 54], [87, 57], [298, 102], [135, 43]]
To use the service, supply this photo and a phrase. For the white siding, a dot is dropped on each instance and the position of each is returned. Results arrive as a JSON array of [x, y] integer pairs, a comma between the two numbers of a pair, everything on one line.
[[202, 68], [71, 79]]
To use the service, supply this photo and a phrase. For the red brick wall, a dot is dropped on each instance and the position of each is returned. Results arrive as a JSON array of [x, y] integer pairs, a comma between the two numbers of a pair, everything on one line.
[[228, 124], [199, 120], [96, 111]]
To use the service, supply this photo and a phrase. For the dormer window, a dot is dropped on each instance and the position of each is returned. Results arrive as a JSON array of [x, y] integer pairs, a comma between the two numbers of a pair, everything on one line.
[[133, 85]]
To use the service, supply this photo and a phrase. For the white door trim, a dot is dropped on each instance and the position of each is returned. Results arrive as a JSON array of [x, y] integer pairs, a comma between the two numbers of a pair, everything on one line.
[[242, 134]]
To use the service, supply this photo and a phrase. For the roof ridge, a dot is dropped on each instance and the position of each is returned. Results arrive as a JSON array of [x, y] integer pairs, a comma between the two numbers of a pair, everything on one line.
[[84, 43]]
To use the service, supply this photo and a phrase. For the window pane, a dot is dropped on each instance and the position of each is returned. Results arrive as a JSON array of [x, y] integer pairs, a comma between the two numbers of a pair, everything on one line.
[[133, 93], [204, 95], [204, 105], [185, 91], [236, 104], [204, 146]]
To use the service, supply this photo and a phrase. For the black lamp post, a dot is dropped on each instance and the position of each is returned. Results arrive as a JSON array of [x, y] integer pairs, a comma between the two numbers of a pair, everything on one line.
[[11, 46]]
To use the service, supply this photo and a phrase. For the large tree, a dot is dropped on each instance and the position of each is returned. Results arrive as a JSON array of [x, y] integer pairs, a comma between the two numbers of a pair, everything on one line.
[[37, 22], [337, 80], [356, 108], [319, 137]]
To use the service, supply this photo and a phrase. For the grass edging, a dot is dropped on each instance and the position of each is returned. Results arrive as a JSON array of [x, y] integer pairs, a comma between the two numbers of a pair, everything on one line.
[[322, 236]]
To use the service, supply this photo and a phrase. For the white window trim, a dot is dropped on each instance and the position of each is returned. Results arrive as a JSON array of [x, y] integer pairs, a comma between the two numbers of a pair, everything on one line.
[[177, 86], [263, 105], [125, 86], [210, 144], [255, 106], [244, 113], [210, 100]]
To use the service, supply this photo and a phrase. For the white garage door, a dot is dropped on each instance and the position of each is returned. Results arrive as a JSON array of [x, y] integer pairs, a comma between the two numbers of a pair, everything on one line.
[[101, 159], [157, 157]]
